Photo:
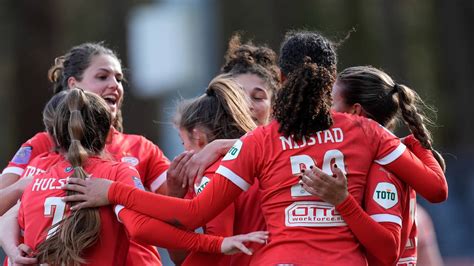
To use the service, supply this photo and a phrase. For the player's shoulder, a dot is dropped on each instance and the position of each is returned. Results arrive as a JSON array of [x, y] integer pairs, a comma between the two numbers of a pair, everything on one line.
[[379, 174]]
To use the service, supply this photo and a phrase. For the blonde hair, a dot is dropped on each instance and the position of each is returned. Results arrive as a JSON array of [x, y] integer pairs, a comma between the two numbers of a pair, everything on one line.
[[223, 111]]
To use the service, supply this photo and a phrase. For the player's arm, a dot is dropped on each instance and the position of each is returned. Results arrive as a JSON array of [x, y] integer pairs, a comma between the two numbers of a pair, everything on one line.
[[206, 157], [223, 189], [380, 239], [11, 194], [425, 176], [7, 179], [10, 238]]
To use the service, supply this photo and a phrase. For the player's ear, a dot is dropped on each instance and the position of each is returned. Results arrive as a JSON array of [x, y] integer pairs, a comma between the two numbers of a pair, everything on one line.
[[71, 82], [199, 137], [357, 109]]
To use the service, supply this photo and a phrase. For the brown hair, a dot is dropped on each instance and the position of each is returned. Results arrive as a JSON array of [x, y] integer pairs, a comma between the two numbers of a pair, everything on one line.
[[49, 111], [74, 63], [383, 100], [81, 126], [222, 111], [303, 104], [251, 59]]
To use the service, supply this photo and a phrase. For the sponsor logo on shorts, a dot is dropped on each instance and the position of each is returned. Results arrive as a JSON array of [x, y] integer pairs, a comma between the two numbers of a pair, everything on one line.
[[234, 151], [198, 188], [385, 195], [133, 161], [23, 155], [312, 214]]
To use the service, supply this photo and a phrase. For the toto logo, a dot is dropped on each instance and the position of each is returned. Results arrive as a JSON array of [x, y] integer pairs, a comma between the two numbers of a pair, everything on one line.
[[312, 214]]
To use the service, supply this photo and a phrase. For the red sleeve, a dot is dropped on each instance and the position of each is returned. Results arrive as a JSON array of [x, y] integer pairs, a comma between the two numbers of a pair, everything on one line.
[[222, 224], [38, 144], [147, 230], [378, 239], [425, 177], [151, 231], [156, 168], [219, 193]]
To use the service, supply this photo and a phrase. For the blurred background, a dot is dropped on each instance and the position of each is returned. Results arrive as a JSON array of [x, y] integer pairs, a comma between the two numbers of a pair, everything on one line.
[[171, 49]]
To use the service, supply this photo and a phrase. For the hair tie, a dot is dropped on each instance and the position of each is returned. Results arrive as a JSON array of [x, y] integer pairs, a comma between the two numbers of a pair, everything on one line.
[[210, 92], [395, 88]]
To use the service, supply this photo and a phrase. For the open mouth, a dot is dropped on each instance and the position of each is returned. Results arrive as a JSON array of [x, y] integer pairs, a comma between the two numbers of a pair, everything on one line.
[[110, 99]]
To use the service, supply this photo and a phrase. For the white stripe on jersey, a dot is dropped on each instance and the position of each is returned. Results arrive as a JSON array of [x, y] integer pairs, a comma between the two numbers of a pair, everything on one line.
[[158, 181], [393, 155], [13, 170], [404, 261], [117, 210], [387, 218], [233, 177]]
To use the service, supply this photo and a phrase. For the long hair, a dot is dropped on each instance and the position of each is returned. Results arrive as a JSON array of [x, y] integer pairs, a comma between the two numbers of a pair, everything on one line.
[[80, 127], [74, 63], [384, 100], [222, 112], [302, 105]]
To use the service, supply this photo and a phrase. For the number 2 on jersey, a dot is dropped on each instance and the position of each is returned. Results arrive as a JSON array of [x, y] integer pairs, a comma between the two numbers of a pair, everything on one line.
[[299, 162], [54, 206]]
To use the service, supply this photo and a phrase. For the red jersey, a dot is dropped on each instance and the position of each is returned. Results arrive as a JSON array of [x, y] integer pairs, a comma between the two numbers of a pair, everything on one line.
[[38, 144], [42, 206], [241, 217], [136, 150], [301, 225], [389, 200]]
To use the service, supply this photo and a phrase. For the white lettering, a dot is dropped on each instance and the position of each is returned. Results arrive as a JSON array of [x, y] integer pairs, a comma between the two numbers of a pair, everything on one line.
[[286, 141], [333, 135]]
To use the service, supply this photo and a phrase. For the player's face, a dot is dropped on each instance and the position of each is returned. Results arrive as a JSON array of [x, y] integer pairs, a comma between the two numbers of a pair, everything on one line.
[[338, 102], [104, 77], [188, 141], [259, 95]]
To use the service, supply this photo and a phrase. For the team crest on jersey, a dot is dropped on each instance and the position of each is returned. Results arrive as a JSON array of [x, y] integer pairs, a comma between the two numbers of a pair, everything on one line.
[[23, 155], [138, 183], [234, 151], [133, 161], [198, 188], [386, 195], [68, 169]]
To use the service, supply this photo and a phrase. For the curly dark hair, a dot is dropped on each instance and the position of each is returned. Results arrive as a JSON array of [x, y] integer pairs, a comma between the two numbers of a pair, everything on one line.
[[300, 44], [302, 105], [251, 59]]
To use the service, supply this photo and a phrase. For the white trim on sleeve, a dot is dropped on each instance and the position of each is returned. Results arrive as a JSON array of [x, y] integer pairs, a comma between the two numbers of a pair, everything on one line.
[[393, 155], [404, 261], [13, 170], [117, 210], [233, 177], [387, 218], [158, 181]]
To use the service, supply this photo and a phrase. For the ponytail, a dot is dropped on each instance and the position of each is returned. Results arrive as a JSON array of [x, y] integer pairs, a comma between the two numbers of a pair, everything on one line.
[[80, 230], [409, 102], [222, 112], [302, 106]]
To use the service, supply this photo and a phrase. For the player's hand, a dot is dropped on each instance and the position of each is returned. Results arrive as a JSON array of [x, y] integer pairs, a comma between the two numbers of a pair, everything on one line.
[[176, 178], [93, 192], [206, 157], [332, 189], [235, 244], [23, 255]]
